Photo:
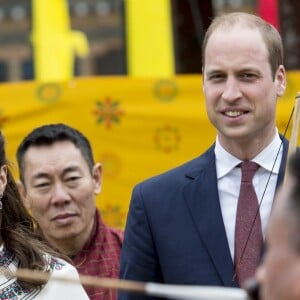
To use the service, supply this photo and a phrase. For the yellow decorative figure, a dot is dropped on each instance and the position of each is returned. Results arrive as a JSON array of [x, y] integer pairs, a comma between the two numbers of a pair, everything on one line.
[[150, 50], [54, 43]]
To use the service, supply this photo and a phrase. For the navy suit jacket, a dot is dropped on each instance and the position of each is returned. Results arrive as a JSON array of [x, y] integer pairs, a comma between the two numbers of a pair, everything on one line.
[[175, 232]]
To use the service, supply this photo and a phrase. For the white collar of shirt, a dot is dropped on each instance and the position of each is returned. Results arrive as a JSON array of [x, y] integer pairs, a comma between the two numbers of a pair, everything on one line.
[[225, 161]]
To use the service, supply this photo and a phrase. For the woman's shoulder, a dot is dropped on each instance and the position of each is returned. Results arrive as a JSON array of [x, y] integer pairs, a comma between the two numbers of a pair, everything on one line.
[[64, 278], [56, 265]]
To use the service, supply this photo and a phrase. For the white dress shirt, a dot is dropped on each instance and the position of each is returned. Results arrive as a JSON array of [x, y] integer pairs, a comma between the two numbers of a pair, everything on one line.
[[229, 181]]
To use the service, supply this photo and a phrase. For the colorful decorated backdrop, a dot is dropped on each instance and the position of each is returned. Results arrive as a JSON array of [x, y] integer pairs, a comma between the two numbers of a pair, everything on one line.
[[137, 127]]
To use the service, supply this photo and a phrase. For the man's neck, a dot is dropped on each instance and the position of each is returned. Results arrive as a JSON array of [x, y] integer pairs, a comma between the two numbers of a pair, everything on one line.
[[248, 148]]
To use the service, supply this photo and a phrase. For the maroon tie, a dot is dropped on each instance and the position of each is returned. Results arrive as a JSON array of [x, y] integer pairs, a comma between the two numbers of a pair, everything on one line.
[[248, 233]]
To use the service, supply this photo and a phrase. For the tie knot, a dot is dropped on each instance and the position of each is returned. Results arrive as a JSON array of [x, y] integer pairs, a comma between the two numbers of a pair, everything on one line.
[[248, 170]]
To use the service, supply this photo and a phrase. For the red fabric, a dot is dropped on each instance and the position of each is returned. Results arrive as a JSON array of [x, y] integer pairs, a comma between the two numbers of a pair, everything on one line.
[[268, 10], [100, 257]]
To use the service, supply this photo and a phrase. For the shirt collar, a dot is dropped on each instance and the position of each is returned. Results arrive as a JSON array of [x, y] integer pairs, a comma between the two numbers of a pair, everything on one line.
[[225, 161]]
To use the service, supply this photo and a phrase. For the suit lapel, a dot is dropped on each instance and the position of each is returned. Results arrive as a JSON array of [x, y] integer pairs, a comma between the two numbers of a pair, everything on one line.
[[202, 198]]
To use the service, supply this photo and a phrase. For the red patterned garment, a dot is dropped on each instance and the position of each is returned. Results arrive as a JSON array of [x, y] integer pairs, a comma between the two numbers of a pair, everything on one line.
[[100, 257]]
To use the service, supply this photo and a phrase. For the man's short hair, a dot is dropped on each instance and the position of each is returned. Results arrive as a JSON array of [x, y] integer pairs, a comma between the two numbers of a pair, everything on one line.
[[48, 135]]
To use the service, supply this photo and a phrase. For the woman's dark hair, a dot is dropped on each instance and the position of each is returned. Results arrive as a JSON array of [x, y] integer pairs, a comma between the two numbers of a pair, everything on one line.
[[17, 227]]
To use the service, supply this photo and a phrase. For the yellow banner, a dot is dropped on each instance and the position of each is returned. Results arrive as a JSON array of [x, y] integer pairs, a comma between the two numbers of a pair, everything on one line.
[[137, 127]]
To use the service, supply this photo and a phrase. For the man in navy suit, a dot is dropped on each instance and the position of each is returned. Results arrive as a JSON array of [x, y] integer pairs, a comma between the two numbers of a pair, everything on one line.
[[181, 225]]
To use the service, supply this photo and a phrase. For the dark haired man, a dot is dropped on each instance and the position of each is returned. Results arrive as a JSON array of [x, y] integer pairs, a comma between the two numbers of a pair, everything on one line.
[[59, 181]]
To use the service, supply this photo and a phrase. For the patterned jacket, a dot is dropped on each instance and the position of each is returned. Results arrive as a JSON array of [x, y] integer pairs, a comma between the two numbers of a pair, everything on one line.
[[100, 257]]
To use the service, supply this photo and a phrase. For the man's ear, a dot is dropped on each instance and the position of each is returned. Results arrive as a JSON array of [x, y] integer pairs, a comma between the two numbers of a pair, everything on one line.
[[280, 80], [22, 192], [97, 177]]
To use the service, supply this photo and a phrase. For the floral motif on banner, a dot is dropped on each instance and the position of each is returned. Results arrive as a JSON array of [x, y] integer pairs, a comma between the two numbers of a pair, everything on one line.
[[108, 112], [167, 138]]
